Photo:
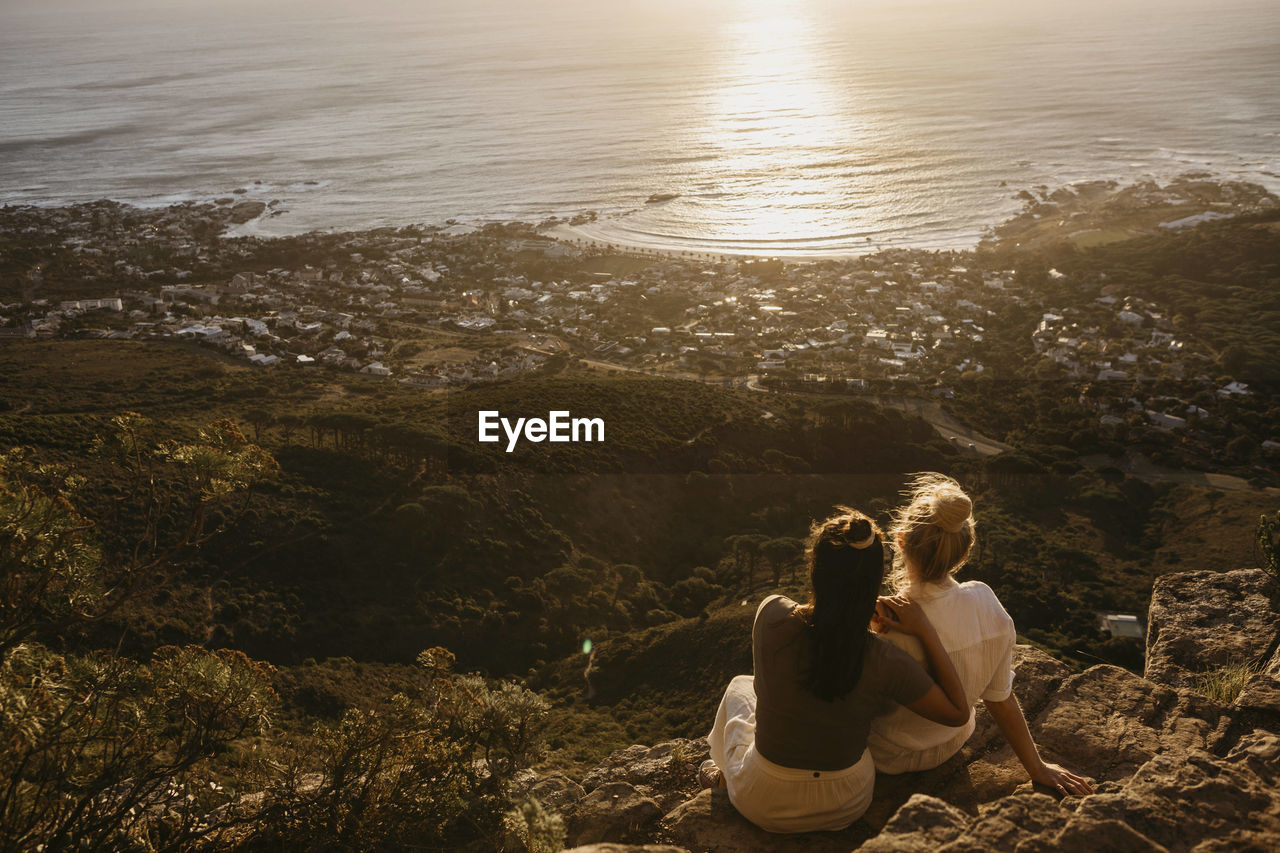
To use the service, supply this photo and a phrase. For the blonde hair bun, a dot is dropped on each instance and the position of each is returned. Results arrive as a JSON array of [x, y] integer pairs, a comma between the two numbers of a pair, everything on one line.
[[934, 530], [951, 508]]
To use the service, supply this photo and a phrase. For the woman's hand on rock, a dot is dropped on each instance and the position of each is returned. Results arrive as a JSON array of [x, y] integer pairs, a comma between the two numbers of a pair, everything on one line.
[[1061, 780]]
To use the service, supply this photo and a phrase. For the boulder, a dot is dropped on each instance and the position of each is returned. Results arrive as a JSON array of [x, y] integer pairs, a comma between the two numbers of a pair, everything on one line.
[[612, 812], [922, 825], [1198, 801], [1002, 825], [1262, 692], [666, 772], [556, 791], [627, 848], [247, 210], [1200, 621], [1106, 722], [648, 765]]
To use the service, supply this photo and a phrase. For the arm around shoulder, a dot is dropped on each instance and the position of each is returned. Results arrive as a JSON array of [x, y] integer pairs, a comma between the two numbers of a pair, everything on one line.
[[937, 707], [945, 702]]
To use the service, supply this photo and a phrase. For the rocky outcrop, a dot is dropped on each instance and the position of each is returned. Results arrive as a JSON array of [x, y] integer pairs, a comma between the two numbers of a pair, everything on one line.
[[246, 211], [613, 812], [626, 848], [1201, 621], [622, 799], [923, 823], [1173, 769]]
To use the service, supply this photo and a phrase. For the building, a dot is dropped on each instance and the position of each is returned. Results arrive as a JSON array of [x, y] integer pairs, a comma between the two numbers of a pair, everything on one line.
[[1122, 625]]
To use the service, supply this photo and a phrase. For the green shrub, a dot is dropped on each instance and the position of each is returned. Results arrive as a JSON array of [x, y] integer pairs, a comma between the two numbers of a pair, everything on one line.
[[432, 771]]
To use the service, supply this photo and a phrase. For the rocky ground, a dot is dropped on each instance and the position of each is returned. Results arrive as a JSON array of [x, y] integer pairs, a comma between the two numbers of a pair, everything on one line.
[[1174, 770]]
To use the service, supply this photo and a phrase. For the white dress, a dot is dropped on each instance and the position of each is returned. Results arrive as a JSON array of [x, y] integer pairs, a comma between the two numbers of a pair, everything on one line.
[[777, 798], [979, 636]]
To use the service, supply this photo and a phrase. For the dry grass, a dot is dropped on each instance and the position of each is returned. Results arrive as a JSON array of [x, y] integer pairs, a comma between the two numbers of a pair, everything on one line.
[[1224, 684]]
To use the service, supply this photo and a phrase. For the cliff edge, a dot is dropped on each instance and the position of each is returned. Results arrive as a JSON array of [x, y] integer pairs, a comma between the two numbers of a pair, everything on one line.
[[1174, 769]]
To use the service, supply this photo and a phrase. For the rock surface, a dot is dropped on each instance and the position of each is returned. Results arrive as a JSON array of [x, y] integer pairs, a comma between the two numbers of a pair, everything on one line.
[[1262, 692], [627, 848], [1173, 770], [612, 812], [1201, 621], [247, 210], [923, 823]]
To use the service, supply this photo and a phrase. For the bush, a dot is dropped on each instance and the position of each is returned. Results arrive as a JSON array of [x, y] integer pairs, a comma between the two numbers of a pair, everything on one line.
[[431, 771], [106, 754]]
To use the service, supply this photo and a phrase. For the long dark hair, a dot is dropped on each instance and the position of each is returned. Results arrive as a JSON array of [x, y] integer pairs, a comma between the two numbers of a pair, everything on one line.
[[846, 567]]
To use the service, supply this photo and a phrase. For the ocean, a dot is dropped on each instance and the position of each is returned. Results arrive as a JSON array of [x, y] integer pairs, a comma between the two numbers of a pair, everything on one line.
[[789, 127]]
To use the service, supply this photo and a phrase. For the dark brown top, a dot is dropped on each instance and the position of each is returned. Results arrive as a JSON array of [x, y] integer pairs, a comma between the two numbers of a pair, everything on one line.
[[794, 728]]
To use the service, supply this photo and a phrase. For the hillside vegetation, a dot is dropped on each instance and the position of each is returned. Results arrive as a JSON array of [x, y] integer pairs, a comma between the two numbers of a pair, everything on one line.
[[389, 529]]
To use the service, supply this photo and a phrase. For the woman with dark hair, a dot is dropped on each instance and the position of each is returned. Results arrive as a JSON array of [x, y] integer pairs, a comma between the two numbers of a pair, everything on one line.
[[790, 742]]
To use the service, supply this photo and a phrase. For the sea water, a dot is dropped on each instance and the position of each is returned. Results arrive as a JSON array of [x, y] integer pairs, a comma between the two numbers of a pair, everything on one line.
[[779, 126]]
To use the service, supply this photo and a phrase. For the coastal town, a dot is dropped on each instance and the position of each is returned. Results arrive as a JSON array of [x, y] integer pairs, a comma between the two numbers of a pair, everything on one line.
[[436, 306]]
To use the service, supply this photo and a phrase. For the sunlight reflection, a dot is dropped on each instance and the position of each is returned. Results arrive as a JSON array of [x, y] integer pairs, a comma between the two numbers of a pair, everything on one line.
[[773, 104]]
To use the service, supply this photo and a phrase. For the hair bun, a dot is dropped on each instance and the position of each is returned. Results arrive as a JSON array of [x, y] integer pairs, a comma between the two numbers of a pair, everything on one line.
[[860, 533], [951, 509], [847, 527]]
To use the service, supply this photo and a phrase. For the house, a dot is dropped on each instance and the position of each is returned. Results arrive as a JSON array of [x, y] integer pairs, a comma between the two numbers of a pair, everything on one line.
[[1165, 422], [1122, 625], [376, 368], [427, 380], [1234, 388], [876, 338], [109, 304]]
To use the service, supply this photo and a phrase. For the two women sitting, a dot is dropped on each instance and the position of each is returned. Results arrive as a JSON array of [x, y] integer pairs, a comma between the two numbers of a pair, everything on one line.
[[798, 744]]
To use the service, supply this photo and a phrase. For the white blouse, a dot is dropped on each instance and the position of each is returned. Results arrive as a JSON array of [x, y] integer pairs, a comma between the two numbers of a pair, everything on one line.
[[979, 636]]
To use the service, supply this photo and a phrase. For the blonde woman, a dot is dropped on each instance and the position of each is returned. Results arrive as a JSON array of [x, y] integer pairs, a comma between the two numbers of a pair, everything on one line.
[[790, 742], [933, 535]]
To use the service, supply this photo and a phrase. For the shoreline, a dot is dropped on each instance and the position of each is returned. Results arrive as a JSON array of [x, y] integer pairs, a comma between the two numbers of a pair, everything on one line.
[[1088, 212], [585, 237]]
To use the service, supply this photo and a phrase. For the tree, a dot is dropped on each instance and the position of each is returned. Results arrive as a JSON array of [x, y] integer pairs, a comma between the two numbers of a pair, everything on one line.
[[750, 544], [1235, 359], [1268, 544], [258, 419], [289, 424], [779, 552]]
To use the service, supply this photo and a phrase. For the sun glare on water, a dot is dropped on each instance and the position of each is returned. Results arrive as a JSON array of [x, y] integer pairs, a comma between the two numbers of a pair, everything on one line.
[[772, 103]]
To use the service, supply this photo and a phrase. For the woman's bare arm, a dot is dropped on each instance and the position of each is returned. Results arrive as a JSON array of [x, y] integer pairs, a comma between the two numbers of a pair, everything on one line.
[[945, 702], [1009, 717]]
